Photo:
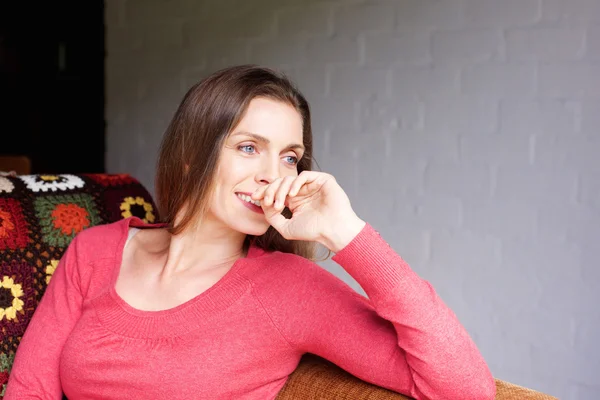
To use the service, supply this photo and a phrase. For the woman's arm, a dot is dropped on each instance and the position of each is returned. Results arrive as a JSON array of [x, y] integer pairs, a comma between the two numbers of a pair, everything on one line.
[[35, 372], [403, 337]]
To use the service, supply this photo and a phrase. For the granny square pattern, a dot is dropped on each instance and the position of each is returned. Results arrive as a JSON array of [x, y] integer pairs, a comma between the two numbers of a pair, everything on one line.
[[62, 217], [39, 216], [13, 228]]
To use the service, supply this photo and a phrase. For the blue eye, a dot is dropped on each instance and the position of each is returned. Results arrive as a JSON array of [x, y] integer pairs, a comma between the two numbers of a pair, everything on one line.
[[247, 146], [294, 160]]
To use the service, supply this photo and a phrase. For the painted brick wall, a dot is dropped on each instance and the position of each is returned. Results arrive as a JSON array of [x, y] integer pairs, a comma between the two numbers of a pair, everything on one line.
[[465, 131]]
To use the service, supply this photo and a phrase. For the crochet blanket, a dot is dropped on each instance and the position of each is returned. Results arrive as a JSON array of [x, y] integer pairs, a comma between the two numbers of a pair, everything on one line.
[[39, 216]]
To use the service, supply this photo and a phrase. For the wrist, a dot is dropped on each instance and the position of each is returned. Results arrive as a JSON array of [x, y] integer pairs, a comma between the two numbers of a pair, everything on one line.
[[342, 233]]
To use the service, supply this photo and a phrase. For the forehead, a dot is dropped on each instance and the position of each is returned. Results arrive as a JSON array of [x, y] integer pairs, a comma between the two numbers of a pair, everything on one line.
[[273, 119]]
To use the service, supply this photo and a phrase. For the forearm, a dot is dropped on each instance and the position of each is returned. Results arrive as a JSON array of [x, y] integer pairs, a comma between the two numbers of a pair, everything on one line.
[[438, 349]]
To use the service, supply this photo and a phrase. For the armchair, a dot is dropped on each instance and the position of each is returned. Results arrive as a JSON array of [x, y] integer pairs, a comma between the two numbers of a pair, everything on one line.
[[40, 215]]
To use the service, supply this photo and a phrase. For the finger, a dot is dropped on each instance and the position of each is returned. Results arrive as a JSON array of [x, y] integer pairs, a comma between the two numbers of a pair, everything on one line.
[[303, 178], [259, 193], [282, 192], [278, 221], [270, 192]]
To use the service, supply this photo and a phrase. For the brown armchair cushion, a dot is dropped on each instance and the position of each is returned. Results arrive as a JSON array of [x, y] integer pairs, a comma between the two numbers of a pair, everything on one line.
[[316, 378]]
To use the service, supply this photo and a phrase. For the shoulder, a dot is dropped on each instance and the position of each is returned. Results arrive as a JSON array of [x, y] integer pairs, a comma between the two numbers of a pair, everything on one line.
[[291, 275], [99, 241]]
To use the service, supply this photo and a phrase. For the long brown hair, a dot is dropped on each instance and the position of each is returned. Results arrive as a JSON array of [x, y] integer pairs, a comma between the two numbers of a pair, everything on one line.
[[191, 146]]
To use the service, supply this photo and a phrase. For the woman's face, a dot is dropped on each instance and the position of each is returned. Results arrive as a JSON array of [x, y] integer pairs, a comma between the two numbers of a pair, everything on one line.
[[264, 146]]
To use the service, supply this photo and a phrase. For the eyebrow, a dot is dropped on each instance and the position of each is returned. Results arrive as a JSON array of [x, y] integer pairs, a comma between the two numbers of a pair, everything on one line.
[[266, 141]]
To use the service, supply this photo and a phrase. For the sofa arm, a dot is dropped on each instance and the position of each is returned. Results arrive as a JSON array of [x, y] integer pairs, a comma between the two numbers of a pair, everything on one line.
[[316, 378], [509, 391]]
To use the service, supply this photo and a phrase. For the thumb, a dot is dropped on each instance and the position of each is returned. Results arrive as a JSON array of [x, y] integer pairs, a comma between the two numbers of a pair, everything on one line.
[[278, 221]]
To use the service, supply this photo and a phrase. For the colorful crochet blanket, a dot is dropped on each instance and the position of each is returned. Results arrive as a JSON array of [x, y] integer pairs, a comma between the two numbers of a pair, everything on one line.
[[39, 216]]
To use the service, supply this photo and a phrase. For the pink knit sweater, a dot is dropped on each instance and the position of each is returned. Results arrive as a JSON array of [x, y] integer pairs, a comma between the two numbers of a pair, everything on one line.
[[241, 338]]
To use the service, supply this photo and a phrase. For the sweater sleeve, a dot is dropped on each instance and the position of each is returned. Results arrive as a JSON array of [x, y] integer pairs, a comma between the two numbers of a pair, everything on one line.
[[35, 372], [403, 338]]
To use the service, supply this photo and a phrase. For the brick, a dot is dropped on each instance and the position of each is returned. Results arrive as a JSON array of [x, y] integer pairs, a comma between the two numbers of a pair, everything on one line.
[[163, 37], [357, 18], [514, 80], [277, 53], [359, 82], [572, 12], [461, 251], [390, 114], [540, 117], [592, 51], [224, 53], [311, 20], [255, 24], [496, 149], [167, 90], [336, 50], [563, 331], [121, 94], [408, 47], [152, 11], [550, 185], [583, 391], [374, 177], [425, 82], [402, 172], [502, 218], [457, 179], [310, 79], [545, 44], [552, 260], [333, 114], [427, 144], [460, 114], [467, 46], [575, 223], [429, 14], [115, 44], [504, 14], [345, 170], [114, 15], [569, 80], [590, 117], [576, 152], [432, 212]]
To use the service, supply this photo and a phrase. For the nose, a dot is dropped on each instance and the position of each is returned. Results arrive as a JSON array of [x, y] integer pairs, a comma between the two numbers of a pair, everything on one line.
[[268, 173]]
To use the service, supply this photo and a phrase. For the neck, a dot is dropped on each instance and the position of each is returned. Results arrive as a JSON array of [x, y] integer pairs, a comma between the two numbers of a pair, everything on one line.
[[207, 247]]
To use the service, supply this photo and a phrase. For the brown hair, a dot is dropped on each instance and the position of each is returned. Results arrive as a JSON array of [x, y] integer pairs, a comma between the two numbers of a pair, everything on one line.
[[191, 147]]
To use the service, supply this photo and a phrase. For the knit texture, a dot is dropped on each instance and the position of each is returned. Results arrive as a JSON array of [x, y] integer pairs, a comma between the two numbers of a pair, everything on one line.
[[244, 336], [39, 216]]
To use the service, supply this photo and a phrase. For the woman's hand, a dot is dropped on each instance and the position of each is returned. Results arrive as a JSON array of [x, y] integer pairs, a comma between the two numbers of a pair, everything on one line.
[[321, 210]]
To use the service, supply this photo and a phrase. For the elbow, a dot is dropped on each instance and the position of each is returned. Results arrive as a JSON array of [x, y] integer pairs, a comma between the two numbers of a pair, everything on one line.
[[489, 389], [483, 388], [473, 388]]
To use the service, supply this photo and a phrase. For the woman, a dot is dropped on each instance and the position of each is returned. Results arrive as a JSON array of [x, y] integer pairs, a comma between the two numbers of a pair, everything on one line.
[[221, 299]]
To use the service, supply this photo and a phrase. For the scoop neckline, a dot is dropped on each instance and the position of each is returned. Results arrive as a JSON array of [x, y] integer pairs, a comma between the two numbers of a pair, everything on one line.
[[218, 296]]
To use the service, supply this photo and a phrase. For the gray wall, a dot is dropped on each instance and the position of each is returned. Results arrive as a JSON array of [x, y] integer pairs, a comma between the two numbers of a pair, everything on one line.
[[465, 131]]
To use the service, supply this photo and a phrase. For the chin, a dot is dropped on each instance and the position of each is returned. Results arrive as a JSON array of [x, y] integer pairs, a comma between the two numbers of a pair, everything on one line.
[[254, 229]]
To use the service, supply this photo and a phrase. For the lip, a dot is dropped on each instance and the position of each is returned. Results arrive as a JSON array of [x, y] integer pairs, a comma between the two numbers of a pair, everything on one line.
[[250, 206]]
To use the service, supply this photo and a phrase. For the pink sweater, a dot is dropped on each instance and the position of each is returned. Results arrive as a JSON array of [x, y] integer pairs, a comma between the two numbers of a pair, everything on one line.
[[244, 336]]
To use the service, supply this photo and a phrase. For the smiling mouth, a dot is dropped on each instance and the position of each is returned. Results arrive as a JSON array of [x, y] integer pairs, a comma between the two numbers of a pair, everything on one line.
[[248, 199]]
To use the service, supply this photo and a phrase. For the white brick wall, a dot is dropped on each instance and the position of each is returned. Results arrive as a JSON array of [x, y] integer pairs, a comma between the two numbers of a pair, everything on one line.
[[465, 131]]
